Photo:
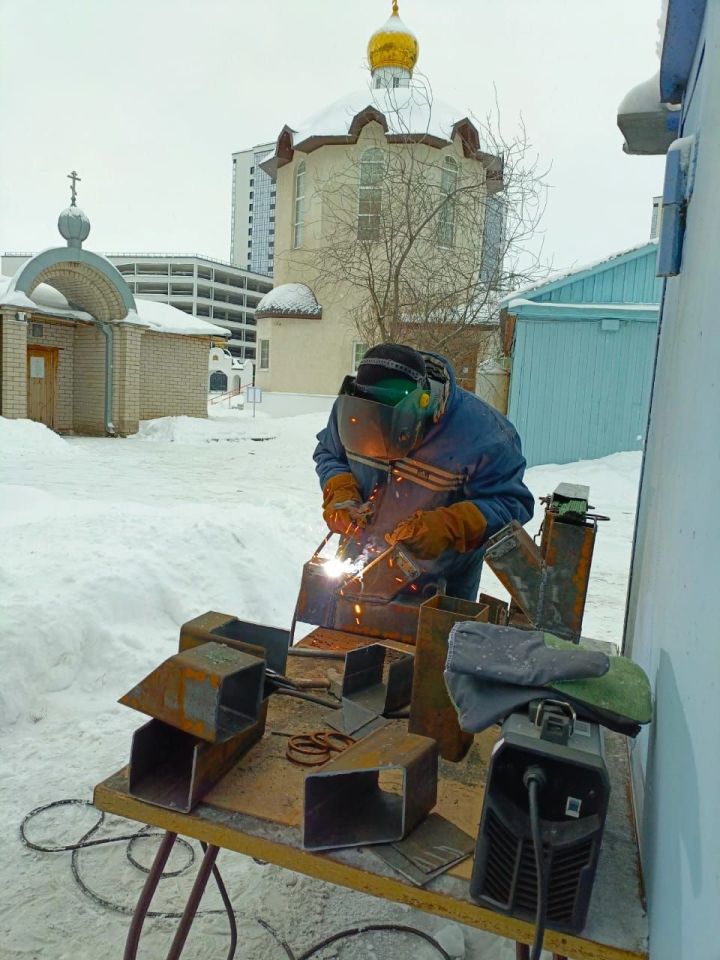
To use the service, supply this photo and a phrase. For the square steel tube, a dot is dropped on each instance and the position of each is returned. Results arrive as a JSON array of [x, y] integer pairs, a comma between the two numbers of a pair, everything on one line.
[[210, 691], [432, 712], [239, 634], [173, 769], [345, 803]]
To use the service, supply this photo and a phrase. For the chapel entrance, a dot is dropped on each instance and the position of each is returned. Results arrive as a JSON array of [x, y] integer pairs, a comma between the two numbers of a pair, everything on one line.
[[42, 365]]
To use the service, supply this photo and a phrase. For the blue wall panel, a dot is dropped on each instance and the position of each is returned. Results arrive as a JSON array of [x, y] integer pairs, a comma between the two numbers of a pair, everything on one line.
[[631, 279], [577, 391]]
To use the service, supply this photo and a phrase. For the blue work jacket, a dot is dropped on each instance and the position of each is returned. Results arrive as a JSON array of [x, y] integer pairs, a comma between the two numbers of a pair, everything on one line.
[[471, 453]]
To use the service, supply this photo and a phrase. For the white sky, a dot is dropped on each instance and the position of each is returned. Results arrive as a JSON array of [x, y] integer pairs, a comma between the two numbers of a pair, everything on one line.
[[148, 99]]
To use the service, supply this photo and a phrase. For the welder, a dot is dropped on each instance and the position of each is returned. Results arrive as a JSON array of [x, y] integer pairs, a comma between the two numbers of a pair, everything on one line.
[[409, 457]]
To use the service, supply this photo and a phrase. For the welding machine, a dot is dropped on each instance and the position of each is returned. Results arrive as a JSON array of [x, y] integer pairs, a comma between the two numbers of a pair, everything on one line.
[[543, 817]]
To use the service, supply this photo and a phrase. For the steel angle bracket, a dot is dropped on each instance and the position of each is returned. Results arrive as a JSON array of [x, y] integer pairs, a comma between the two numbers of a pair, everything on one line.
[[374, 792], [238, 634], [173, 769], [210, 691], [363, 679]]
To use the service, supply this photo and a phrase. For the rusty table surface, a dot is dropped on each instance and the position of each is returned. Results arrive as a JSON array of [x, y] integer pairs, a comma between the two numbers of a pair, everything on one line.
[[257, 809]]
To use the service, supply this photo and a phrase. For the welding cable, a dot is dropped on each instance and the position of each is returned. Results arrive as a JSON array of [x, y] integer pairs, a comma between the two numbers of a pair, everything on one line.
[[228, 910], [534, 779], [369, 927]]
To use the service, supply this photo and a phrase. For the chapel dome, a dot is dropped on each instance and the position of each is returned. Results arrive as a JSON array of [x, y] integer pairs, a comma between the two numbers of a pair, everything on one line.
[[393, 45], [73, 225], [289, 300]]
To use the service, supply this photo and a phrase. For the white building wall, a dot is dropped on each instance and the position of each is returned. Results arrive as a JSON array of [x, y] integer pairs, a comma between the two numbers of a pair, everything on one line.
[[674, 606]]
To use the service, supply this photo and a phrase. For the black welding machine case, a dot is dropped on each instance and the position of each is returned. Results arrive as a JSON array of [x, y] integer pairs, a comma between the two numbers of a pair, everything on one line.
[[572, 805]]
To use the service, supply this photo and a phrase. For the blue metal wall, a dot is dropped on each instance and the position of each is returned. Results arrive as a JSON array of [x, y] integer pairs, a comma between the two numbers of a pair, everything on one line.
[[628, 279], [580, 384], [578, 391]]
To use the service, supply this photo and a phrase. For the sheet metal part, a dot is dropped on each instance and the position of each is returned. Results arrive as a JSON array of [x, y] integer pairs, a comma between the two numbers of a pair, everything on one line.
[[355, 720], [173, 769], [238, 634], [383, 578], [210, 691], [548, 583], [366, 603], [363, 678], [432, 712], [348, 802], [433, 848]]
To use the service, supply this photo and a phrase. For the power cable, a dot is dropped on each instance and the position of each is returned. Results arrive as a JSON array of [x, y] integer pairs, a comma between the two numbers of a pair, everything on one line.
[[146, 832], [534, 779]]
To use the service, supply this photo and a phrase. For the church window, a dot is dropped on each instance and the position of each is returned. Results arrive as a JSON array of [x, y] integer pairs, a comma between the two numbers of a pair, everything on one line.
[[448, 187], [264, 354], [372, 169], [299, 208], [218, 381]]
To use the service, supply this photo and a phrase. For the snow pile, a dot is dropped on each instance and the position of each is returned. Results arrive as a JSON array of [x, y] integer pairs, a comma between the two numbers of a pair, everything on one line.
[[222, 426], [289, 299], [21, 437]]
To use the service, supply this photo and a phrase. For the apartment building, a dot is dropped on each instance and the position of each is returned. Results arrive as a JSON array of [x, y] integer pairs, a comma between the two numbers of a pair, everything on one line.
[[252, 226]]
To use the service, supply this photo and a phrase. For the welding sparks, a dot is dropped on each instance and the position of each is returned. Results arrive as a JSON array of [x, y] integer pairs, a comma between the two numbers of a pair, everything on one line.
[[336, 568], [358, 609]]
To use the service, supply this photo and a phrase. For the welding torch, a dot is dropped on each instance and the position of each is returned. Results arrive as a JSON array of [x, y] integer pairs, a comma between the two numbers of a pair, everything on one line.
[[360, 515]]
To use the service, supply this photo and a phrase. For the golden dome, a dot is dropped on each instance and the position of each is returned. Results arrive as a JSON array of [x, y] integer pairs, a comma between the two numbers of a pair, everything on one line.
[[393, 45]]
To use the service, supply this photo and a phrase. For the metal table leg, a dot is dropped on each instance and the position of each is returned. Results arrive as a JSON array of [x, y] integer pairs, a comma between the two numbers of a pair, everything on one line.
[[193, 902], [148, 892]]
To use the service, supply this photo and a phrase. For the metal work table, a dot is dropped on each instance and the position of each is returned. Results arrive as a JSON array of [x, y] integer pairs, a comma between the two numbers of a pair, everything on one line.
[[256, 810]]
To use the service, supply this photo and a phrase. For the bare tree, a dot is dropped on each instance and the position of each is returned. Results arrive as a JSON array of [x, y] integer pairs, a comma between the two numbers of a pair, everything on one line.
[[403, 226]]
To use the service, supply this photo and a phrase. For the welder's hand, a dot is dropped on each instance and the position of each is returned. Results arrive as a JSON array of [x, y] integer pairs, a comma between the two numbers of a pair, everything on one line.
[[340, 495], [429, 532]]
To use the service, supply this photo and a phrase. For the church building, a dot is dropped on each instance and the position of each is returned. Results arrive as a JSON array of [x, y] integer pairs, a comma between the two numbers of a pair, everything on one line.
[[331, 175], [80, 354]]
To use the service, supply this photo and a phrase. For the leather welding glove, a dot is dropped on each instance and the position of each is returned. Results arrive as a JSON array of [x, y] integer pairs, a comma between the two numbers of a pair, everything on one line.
[[428, 533], [342, 488]]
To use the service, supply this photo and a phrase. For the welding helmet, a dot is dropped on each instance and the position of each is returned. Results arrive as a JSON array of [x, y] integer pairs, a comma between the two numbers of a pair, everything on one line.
[[383, 412]]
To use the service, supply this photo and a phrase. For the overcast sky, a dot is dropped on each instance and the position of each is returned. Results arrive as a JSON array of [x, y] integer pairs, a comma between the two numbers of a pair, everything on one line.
[[148, 99]]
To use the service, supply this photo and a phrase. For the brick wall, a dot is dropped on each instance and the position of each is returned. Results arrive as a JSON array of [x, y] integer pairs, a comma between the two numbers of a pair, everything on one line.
[[127, 344], [89, 370], [61, 335], [173, 375], [13, 367]]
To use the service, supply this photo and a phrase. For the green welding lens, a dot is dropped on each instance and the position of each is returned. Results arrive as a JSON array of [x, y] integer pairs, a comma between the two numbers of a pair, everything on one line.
[[390, 391]]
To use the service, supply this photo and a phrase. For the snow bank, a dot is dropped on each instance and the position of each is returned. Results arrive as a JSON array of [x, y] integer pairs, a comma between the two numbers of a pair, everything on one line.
[[29, 437], [223, 426]]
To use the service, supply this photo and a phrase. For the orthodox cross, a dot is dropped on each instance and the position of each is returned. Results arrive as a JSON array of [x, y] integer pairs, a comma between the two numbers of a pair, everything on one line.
[[73, 192]]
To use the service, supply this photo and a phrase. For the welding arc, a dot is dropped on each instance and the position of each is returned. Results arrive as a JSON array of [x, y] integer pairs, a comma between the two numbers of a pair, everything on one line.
[[146, 831]]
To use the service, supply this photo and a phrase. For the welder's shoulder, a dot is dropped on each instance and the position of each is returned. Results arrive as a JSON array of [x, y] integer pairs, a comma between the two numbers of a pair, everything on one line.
[[483, 421]]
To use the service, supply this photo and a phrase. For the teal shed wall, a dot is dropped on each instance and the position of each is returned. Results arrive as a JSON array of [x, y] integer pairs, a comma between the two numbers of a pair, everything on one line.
[[580, 383]]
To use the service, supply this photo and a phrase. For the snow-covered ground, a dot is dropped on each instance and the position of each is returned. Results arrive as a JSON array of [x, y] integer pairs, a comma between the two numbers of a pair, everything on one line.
[[106, 547]]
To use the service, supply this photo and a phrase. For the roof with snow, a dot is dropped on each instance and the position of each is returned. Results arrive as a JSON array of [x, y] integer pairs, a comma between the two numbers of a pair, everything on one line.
[[289, 300], [159, 317], [406, 114], [626, 277]]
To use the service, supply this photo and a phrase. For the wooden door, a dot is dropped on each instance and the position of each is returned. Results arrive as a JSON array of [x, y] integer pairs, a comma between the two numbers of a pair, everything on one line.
[[42, 363]]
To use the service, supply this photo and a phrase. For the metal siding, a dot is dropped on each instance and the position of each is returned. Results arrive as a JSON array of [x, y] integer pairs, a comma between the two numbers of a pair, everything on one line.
[[631, 280], [578, 392]]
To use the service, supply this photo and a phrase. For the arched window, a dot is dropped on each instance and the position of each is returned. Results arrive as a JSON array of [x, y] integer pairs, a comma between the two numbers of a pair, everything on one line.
[[299, 208], [448, 186], [372, 170], [218, 381]]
